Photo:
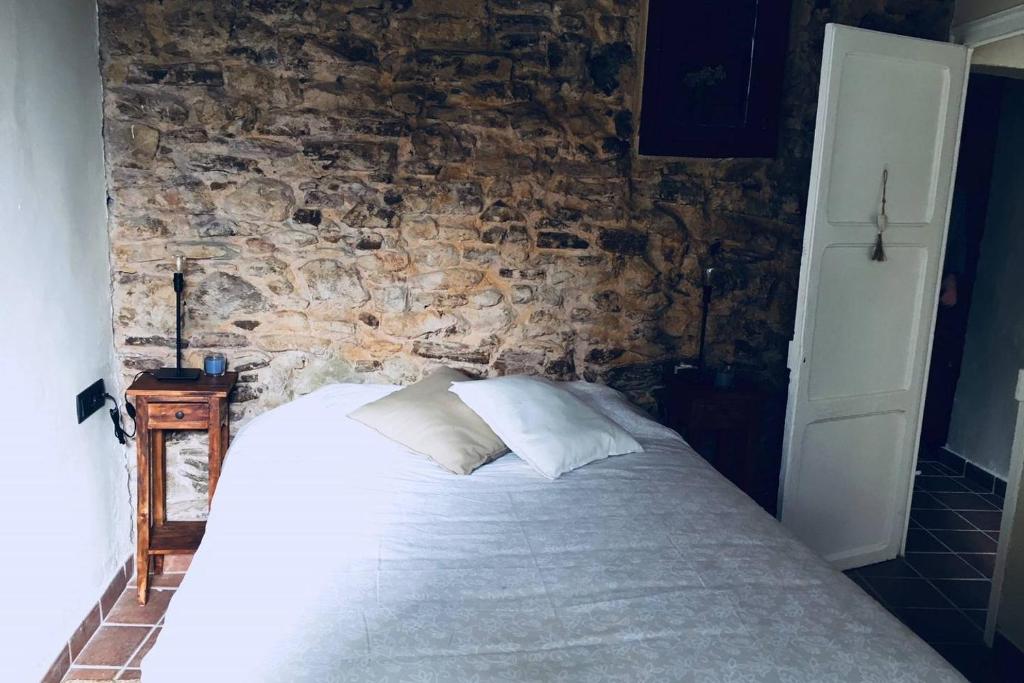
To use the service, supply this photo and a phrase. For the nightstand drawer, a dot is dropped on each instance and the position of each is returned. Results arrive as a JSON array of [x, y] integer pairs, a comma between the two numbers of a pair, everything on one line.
[[179, 415]]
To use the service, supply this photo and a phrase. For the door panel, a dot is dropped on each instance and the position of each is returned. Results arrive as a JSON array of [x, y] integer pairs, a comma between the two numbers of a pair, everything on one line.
[[858, 447], [863, 328], [868, 128], [862, 296]]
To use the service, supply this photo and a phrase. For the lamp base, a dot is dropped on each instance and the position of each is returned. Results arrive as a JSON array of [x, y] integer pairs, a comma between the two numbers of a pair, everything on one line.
[[177, 374]]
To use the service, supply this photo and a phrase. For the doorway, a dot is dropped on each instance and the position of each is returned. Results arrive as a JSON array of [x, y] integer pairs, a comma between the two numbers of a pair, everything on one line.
[[979, 133], [941, 586], [882, 185]]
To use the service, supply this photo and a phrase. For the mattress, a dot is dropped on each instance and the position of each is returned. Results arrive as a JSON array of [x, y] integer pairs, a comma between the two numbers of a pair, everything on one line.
[[333, 554]]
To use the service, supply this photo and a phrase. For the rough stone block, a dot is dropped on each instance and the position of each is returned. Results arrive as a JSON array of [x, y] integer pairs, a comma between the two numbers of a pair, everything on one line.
[[561, 240], [623, 241], [261, 199], [206, 74]]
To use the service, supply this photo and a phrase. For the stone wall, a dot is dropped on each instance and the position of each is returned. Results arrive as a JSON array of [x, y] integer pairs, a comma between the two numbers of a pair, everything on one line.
[[368, 188]]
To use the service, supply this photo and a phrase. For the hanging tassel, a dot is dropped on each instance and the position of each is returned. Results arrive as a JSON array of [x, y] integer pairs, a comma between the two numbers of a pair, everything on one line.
[[878, 253]]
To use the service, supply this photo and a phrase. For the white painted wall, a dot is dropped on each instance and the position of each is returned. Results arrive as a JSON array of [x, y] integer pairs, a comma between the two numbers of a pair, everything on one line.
[[970, 10], [64, 505], [984, 410], [1002, 58], [1008, 582]]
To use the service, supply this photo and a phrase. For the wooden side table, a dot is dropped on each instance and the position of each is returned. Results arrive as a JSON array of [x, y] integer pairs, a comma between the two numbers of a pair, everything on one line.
[[728, 427], [168, 406]]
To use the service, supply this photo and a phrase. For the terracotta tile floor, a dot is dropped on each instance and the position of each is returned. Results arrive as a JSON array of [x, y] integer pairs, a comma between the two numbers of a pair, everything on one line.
[[115, 651]]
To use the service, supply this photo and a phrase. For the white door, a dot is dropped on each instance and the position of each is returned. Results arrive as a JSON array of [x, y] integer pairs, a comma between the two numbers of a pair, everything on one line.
[[860, 350]]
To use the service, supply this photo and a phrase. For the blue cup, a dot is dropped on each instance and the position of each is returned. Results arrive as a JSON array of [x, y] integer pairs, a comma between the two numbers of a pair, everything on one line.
[[215, 364]]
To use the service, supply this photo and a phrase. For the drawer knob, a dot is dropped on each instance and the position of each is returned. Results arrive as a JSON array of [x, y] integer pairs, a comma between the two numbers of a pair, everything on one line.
[[180, 415]]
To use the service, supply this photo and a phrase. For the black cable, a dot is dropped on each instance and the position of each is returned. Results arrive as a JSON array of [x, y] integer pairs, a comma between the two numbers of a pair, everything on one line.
[[115, 414], [129, 408], [115, 417]]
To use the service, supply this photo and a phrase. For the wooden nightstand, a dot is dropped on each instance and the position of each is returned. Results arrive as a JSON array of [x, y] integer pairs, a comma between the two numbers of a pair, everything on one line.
[[732, 428], [168, 406]]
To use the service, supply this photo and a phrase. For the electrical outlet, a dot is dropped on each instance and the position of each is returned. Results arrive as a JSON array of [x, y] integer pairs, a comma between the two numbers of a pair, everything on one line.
[[90, 400]]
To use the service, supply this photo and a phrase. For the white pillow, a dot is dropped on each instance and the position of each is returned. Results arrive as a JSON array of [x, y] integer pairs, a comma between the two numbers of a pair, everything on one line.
[[544, 424], [617, 408]]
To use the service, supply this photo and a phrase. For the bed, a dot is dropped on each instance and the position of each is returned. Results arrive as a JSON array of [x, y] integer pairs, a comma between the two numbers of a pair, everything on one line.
[[332, 554]]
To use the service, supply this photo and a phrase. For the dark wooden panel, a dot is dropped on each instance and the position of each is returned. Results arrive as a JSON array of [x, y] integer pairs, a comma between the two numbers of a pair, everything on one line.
[[202, 388], [176, 537]]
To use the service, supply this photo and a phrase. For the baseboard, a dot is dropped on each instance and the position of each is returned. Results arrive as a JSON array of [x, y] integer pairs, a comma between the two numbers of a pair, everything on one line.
[[986, 481], [90, 623]]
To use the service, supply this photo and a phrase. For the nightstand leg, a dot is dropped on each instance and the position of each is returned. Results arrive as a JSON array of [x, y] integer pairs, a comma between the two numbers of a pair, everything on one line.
[[159, 469], [142, 515], [216, 452]]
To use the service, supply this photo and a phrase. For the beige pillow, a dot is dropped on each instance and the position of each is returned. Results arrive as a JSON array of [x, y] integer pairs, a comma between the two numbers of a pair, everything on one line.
[[431, 420]]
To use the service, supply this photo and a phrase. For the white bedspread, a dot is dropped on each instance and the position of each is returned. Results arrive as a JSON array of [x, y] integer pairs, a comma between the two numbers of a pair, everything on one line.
[[332, 554]]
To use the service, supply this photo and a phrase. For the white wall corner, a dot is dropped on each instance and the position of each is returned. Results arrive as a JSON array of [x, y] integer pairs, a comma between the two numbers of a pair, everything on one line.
[[994, 27]]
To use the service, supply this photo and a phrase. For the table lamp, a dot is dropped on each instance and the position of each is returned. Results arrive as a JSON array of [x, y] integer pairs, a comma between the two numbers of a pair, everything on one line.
[[178, 373]]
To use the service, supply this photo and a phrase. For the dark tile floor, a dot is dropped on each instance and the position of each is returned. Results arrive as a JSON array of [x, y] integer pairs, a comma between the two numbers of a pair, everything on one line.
[[941, 588]]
